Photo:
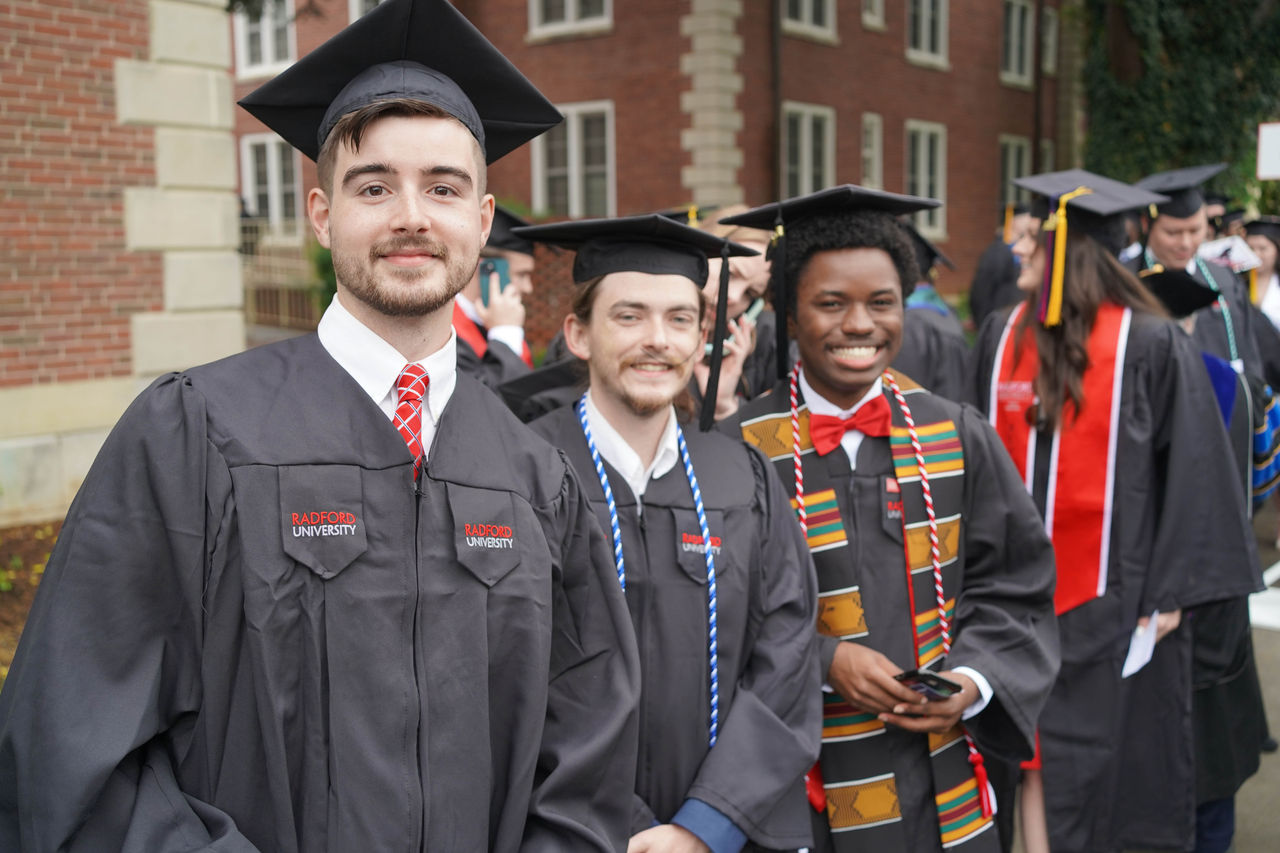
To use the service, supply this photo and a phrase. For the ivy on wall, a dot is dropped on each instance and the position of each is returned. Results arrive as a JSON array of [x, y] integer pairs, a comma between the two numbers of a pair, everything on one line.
[[1172, 84]]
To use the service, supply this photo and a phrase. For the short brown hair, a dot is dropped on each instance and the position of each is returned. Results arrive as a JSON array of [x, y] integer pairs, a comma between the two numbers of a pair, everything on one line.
[[584, 298], [351, 127]]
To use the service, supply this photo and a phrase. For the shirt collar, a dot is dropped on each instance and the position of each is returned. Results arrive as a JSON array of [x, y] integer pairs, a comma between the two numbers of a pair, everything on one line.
[[469, 308], [614, 448], [375, 364], [819, 405]]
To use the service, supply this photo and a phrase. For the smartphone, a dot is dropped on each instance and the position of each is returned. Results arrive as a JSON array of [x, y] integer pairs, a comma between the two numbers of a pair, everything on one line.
[[752, 312], [929, 684], [489, 266]]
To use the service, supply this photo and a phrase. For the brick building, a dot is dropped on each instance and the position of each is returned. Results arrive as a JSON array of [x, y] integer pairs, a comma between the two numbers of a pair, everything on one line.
[[712, 102], [117, 224]]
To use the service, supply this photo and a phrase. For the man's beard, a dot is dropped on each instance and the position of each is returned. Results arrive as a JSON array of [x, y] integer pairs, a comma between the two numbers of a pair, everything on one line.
[[363, 282]]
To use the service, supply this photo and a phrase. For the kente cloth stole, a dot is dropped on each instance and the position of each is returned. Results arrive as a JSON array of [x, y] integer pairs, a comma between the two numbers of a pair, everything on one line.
[[856, 765], [1081, 487]]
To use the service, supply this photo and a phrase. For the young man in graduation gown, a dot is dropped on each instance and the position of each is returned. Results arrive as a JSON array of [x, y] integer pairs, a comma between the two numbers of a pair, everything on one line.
[[717, 579], [491, 342], [328, 594], [1145, 513], [929, 552]]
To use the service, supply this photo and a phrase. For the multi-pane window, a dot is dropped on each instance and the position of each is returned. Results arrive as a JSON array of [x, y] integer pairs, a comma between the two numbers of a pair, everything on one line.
[[873, 14], [269, 182], [927, 173], [1019, 42], [927, 31], [1047, 163], [573, 164], [264, 43], [1015, 162], [808, 148], [549, 17], [1049, 41], [359, 8], [872, 151], [810, 17]]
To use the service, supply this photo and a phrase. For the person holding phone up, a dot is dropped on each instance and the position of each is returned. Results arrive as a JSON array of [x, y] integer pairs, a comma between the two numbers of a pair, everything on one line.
[[490, 309]]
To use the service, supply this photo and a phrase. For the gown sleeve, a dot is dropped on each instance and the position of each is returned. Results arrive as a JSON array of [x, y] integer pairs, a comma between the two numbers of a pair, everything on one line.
[[498, 364], [772, 734], [583, 785], [1005, 624], [109, 661]]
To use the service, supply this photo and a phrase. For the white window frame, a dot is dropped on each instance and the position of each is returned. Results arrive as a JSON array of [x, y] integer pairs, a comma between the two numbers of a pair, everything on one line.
[[1021, 53], [1010, 193], [1047, 156], [873, 14], [806, 28], [573, 126], [920, 56], [931, 223], [353, 10], [280, 230], [276, 64], [872, 151], [1049, 41], [572, 24], [808, 112]]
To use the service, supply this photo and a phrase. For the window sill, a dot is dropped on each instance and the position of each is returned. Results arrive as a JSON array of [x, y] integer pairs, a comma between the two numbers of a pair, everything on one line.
[[932, 61], [566, 32], [1015, 82], [821, 35]]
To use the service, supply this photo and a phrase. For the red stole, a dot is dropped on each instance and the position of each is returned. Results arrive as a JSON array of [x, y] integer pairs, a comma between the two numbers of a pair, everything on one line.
[[1081, 489], [469, 331]]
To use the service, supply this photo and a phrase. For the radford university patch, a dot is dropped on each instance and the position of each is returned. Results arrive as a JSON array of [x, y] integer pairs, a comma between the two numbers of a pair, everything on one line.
[[494, 536], [324, 523]]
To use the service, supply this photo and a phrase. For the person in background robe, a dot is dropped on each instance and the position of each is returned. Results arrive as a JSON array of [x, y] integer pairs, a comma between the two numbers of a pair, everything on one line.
[[703, 536], [993, 285], [934, 350], [328, 594], [929, 552], [1108, 411]]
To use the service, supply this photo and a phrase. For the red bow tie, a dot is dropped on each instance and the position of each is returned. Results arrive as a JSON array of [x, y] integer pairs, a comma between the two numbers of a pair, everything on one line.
[[872, 418]]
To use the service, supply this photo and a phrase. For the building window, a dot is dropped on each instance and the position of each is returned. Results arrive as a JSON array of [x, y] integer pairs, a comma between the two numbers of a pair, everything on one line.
[[1049, 42], [927, 32], [360, 8], [270, 184], [873, 14], [812, 18], [872, 151], [927, 173], [808, 148], [1015, 162], [1047, 163], [573, 165], [265, 43], [557, 17], [1019, 30]]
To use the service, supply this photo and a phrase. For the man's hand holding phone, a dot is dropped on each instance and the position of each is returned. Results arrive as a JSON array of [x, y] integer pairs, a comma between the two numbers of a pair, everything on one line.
[[867, 679], [499, 305]]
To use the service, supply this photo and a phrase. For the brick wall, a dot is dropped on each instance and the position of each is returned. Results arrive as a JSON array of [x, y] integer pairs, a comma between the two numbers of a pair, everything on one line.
[[67, 284]]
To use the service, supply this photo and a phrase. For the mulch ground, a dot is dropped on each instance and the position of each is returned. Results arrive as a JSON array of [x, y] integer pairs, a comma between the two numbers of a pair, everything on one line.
[[23, 553]]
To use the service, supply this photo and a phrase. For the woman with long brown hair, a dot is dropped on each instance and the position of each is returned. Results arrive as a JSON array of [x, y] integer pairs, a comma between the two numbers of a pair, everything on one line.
[[1107, 410]]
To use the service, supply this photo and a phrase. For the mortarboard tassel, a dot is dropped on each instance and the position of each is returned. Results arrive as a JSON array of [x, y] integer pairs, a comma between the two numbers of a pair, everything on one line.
[[778, 286], [719, 332], [1051, 306], [1008, 224], [1253, 286]]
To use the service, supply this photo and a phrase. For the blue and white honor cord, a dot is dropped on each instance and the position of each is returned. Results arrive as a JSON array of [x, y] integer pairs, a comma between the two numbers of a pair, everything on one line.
[[713, 654]]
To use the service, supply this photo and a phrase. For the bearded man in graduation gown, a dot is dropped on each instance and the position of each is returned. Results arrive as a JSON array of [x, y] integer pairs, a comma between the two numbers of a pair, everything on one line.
[[718, 580], [929, 552], [328, 594]]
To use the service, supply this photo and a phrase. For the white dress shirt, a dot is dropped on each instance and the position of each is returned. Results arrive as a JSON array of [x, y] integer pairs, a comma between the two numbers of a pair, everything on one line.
[[850, 443], [613, 448], [512, 337], [1270, 304], [375, 365]]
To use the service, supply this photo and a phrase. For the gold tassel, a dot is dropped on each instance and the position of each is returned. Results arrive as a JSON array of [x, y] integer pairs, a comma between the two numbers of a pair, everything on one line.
[[1253, 286], [1053, 310], [1008, 223]]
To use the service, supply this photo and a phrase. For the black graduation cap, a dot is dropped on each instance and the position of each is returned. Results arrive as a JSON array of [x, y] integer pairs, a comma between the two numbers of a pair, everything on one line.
[[928, 255], [420, 49], [1077, 202], [1178, 291], [1182, 186], [502, 237], [794, 213], [686, 214], [653, 244], [1265, 226]]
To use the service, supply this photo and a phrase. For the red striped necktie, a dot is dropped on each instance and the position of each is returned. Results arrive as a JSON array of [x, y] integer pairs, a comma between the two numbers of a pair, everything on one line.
[[411, 390]]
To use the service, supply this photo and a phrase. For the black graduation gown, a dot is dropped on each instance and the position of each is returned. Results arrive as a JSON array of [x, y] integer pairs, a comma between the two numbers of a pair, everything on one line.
[[995, 282], [934, 353], [1003, 625], [770, 709], [255, 634], [498, 364], [1117, 753]]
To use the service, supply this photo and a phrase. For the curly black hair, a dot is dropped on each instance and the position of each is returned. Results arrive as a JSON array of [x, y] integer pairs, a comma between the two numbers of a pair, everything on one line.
[[859, 229]]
